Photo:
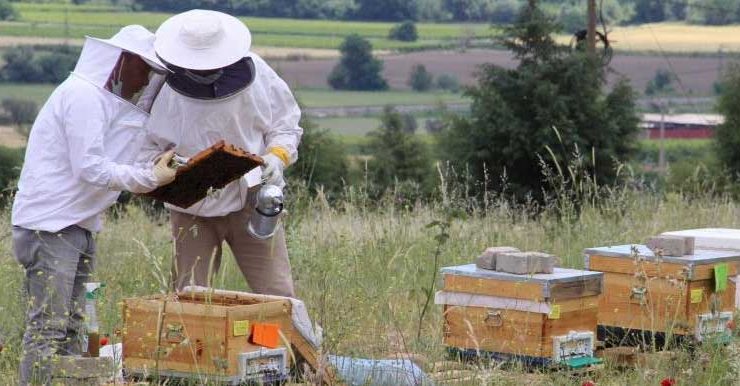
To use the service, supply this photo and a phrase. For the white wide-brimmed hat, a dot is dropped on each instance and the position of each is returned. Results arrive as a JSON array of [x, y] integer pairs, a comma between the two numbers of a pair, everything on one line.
[[137, 40], [202, 40]]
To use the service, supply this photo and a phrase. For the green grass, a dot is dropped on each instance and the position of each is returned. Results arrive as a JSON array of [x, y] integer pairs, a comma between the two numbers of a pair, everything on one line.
[[360, 269], [45, 20], [331, 98], [309, 97]]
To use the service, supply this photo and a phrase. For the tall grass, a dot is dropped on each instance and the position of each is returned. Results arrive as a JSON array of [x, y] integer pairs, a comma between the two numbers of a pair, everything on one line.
[[362, 267]]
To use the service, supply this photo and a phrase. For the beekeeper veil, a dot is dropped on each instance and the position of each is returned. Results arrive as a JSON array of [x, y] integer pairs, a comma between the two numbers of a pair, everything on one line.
[[207, 53], [124, 65]]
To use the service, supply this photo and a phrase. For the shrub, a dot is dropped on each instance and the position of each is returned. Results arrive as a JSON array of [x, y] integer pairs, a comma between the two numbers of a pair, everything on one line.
[[322, 161], [448, 82], [420, 79], [405, 32], [7, 12], [357, 69], [11, 161], [20, 113], [38, 64], [398, 157]]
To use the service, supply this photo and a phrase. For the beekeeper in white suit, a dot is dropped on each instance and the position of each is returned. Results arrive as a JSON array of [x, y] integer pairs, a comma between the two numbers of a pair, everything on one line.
[[219, 90], [79, 157]]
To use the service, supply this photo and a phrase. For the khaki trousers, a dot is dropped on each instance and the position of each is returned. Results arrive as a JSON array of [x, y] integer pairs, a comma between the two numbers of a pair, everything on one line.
[[198, 245]]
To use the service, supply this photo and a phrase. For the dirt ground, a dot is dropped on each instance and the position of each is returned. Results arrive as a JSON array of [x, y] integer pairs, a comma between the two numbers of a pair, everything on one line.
[[696, 74], [9, 137]]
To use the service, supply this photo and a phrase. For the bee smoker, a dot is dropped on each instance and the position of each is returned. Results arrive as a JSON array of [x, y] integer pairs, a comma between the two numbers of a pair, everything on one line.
[[264, 218]]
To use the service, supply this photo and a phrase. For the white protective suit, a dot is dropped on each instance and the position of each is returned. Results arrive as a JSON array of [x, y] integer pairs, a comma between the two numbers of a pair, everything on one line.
[[81, 149], [264, 115]]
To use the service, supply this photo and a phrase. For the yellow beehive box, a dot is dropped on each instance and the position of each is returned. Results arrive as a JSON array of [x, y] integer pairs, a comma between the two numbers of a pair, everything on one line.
[[688, 295], [547, 316]]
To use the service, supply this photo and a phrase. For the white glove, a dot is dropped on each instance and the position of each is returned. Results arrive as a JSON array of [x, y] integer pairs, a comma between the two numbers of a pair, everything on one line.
[[272, 170], [163, 173]]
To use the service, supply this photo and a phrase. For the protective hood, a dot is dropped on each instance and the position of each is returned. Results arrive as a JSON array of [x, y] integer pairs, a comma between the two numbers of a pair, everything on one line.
[[124, 74], [217, 84]]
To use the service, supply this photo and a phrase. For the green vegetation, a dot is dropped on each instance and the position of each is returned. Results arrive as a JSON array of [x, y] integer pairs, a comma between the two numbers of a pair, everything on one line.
[[308, 97], [551, 111], [357, 68], [46, 20], [359, 266]]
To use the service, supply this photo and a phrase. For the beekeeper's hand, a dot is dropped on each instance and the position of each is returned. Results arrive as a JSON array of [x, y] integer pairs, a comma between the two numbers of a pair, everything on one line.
[[163, 173], [272, 170]]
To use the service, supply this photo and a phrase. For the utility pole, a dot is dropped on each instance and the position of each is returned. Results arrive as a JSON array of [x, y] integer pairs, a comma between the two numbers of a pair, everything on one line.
[[591, 28], [661, 153]]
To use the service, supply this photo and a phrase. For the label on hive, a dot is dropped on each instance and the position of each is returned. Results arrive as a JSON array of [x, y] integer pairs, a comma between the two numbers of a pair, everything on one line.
[[720, 277], [713, 326], [554, 312], [697, 295], [241, 327], [576, 344]]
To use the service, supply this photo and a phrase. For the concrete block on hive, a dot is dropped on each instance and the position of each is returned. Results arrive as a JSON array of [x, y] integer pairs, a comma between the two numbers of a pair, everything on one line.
[[487, 260], [671, 245], [521, 263]]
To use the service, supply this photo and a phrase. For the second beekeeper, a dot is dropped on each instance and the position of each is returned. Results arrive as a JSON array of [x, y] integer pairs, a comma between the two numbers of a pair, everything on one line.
[[220, 90]]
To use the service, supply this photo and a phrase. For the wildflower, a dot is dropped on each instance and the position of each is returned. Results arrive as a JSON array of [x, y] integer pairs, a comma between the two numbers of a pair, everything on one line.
[[668, 382]]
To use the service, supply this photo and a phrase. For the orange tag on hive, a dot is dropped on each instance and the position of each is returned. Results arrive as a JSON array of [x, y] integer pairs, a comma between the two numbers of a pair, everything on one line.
[[266, 334]]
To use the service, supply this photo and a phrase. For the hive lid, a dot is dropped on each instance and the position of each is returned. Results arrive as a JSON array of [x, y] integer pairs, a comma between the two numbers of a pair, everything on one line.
[[560, 275], [711, 238], [700, 256]]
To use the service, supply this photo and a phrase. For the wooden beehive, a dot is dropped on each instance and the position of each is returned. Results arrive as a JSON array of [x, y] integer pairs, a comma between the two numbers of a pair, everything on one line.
[[645, 292], [519, 315], [212, 168], [203, 334]]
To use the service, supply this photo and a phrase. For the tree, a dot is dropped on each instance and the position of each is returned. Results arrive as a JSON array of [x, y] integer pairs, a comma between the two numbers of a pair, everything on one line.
[[7, 12], [357, 69], [650, 11], [727, 135], [514, 113], [389, 10], [398, 156], [405, 32], [661, 82], [420, 79]]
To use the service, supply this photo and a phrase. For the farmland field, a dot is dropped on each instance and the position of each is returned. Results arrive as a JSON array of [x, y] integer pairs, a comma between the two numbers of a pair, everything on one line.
[[309, 97], [45, 20]]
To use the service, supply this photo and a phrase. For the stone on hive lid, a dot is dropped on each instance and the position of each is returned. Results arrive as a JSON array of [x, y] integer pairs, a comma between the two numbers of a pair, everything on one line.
[[487, 260], [521, 263], [671, 245]]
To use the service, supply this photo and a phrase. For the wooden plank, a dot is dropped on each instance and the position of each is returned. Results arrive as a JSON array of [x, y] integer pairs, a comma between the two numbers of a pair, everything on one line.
[[519, 332], [628, 266], [725, 299], [654, 269], [580, 320], [195, 350], [501, 288], [706, 271], [665, 304], [588, 302], [575, 289]]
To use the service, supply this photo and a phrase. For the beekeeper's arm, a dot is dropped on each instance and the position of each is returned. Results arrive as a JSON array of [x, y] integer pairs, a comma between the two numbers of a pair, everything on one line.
[[284, 134], [85, 122]]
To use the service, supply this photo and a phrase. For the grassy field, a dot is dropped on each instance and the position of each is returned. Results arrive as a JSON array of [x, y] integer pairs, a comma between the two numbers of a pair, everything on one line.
[[360, 268], [48, 20], [674, 38], [308, 97]]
